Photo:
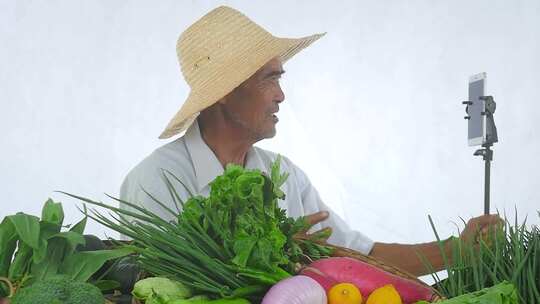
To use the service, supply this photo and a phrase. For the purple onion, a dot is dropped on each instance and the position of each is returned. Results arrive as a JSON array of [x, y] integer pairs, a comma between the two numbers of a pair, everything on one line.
[[296, 290]]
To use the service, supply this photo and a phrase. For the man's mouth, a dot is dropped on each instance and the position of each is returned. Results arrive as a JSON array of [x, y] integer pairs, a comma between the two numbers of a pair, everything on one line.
[[273, 114]]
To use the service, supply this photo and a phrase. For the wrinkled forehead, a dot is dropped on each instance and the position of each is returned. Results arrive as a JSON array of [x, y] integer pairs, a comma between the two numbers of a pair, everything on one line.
[[272, 67]]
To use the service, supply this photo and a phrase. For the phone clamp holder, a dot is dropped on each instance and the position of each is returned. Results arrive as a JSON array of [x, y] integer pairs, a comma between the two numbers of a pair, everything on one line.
[[491, 138]]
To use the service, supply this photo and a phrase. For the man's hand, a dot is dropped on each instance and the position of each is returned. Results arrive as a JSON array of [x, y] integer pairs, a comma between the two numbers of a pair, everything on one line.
[[406, 257], [479, 228], [313, 219]]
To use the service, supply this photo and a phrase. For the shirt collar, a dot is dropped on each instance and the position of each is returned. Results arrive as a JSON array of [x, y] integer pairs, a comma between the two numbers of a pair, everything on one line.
[[205, 163]]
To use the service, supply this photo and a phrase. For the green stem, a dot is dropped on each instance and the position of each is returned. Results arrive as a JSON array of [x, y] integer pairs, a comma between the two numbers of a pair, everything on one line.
[[10, 286]]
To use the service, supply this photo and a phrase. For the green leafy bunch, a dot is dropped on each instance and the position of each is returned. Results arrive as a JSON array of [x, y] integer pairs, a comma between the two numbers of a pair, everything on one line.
[[233, 243], [34, 249], [242, 213]]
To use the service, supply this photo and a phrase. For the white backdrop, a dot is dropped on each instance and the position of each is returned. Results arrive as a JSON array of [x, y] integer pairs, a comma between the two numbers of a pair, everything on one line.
[[372, 113]]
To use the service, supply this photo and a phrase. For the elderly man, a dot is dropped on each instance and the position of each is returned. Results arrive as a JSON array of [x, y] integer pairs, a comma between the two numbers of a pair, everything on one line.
[[233, 67]]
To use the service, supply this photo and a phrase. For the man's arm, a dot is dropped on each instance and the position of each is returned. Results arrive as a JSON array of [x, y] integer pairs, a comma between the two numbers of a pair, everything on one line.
[[406, 256]]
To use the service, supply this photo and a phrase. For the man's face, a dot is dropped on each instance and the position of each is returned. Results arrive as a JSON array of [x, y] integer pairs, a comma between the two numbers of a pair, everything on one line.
[[252, 105]]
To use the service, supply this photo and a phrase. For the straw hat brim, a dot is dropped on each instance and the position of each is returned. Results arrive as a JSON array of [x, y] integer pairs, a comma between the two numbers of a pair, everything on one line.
[[284, 48]]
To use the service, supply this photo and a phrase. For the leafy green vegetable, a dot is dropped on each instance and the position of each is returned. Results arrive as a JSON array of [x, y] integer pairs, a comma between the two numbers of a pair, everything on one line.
[[81, 265], [20, 262], [56, 248], [27, 228], [34, 249], [241, 214], [234, 243], [502, 293], [52, 212], [81, 225], [8, 243]]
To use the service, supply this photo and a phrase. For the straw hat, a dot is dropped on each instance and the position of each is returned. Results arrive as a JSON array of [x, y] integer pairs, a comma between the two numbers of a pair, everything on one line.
[[219, 52]]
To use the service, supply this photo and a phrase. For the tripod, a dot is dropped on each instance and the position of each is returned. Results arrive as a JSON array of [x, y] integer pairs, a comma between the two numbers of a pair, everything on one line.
[[487, 155], [490, 139]]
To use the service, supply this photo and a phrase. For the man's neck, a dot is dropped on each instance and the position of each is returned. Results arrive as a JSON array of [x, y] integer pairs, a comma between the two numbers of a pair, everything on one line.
[[227, 143]]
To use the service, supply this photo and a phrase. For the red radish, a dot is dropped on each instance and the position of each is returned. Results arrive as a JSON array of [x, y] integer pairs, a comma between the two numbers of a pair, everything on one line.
[[325, 281], [367, 278]]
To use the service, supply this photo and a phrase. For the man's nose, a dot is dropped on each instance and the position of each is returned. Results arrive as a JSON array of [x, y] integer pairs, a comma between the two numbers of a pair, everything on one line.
[[280, 96]]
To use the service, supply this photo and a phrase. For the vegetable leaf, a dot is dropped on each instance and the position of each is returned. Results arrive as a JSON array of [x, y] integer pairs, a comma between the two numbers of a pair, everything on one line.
[[52, 212], [8, 243], [80, 266], [27, 227]]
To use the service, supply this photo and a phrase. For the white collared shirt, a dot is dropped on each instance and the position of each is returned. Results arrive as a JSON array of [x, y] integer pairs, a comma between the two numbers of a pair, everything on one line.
[[191, 160]]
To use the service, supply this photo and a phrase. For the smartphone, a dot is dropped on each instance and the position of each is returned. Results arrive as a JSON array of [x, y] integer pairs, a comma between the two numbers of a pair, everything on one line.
[[475, 110]]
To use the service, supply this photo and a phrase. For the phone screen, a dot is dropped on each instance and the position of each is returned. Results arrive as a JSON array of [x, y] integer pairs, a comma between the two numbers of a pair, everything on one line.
[[476, 122]]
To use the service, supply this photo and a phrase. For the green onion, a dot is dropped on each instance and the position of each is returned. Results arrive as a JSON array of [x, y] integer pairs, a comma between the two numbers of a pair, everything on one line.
[[513, 254]]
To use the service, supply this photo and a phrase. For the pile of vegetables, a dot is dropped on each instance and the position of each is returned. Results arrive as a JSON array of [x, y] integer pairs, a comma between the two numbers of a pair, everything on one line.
[[237, 246], [502, 293], [511, 254], [236, 243], [35, 251], [301, 289]]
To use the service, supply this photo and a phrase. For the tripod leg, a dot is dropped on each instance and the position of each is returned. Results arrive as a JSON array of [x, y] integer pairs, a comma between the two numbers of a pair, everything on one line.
[[486, 186]]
